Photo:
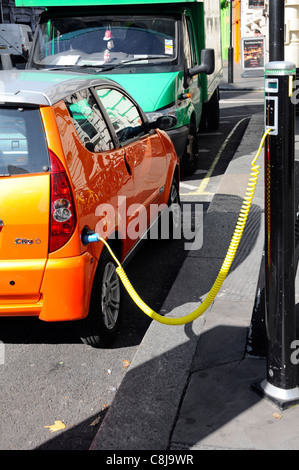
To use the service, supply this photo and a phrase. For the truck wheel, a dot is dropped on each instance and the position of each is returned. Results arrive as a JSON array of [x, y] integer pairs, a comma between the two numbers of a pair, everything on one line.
[[212, 112], [101, 325], [189, 159]]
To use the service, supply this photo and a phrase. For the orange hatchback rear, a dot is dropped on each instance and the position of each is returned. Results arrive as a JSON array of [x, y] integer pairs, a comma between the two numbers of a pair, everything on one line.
[[77, 156]]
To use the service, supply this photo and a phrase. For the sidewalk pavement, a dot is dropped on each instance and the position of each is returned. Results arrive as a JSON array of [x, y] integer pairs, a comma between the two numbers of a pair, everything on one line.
[[240, 83], [189, 386]]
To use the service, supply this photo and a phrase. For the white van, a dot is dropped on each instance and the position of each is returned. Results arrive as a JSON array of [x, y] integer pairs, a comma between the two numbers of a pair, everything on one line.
[[15, 39]]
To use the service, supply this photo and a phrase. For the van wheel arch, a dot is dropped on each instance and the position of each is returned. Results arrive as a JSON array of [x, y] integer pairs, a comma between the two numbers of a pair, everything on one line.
[[190, 156], [210, 118]]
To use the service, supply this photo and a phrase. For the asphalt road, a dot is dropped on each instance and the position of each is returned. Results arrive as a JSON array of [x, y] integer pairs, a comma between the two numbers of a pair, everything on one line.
[[49, 377]]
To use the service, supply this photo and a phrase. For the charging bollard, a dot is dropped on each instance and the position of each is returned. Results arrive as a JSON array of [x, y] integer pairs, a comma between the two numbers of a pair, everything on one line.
[[280, 386]]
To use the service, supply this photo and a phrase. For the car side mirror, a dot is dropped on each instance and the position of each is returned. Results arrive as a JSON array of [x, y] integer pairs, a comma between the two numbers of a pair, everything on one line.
[[164, 122], [207, 63]]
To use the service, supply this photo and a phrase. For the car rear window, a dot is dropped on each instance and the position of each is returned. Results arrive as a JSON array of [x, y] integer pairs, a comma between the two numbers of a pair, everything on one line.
[[23, 147]]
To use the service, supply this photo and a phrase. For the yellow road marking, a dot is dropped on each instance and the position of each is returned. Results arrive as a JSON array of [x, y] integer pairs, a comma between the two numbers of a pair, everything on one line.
[[206, 180]]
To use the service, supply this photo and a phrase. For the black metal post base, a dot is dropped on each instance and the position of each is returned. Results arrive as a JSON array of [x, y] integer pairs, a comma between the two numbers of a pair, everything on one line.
[[280, 397]]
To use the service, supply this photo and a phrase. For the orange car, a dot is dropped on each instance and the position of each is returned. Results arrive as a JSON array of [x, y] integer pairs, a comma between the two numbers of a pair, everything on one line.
[[77, 156]]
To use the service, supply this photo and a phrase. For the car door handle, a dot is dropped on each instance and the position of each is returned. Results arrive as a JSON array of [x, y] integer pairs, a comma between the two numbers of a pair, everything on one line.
[[127, 163]]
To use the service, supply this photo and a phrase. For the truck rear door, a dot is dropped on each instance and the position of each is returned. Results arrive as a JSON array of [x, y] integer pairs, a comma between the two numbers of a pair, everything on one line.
[[10, 39]]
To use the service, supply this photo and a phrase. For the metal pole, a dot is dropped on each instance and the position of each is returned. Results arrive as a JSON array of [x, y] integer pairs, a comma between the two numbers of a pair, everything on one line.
[[276, 30], [231, 49]]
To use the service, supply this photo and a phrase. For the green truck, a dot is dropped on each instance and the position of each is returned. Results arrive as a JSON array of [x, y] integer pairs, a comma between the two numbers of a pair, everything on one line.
[[166, 54]]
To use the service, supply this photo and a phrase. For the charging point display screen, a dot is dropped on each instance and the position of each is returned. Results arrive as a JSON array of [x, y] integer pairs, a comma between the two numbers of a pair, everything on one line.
[[271, 105], [271, 85]]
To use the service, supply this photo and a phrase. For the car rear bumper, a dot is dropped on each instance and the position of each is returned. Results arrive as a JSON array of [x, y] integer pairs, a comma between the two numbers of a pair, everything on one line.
[[64, 293]]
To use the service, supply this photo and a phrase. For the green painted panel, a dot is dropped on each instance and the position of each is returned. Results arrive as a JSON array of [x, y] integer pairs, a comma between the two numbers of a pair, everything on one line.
[[160, 88]]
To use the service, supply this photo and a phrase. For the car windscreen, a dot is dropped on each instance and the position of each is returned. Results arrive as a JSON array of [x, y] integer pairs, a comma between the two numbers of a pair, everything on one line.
[[100, 41], [23, 147]]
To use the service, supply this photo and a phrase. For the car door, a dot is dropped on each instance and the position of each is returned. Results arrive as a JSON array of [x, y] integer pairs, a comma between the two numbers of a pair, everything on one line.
[[144, 152], [102, 182]]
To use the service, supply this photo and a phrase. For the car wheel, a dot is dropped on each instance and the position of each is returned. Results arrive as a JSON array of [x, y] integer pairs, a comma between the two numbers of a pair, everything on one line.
[[174, 205], [101, 325], [170, 220], [190, 157]]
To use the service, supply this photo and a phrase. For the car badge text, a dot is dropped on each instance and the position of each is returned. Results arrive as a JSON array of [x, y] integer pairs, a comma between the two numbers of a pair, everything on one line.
[[27, 241]]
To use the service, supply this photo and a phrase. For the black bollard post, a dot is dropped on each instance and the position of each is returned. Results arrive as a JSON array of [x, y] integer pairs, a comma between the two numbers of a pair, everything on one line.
[[276, 30], [280, 385], [231, 49]]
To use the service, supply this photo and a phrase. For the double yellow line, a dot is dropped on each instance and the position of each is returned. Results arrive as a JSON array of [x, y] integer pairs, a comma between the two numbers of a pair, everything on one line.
[[202, 187]]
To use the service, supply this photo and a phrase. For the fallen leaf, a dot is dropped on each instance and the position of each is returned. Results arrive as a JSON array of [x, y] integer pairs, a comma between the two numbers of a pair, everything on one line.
[[277, 415], [57, 426], [95, 421], [126, 364]]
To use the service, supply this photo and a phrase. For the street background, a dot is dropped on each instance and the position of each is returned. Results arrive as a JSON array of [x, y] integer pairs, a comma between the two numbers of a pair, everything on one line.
[[158, 386]]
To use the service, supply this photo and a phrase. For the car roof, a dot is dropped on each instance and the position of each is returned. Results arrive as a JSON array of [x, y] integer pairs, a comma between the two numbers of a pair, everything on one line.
[[43, 88]]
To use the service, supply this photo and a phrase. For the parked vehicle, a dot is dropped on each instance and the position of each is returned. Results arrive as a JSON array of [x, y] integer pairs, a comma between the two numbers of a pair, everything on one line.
[[53, 190], [15, 39], [6, 62], [167, 55]]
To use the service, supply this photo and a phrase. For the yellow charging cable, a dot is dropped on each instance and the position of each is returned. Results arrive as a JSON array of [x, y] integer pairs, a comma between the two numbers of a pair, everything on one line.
[[240, 225]]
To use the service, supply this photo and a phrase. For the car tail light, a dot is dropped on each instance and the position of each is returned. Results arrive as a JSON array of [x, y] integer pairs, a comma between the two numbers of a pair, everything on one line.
[[63, 214]]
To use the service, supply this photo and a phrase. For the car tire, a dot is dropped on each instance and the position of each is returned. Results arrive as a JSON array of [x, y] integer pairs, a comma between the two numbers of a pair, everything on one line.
[[170, 220], [101, 326], [174, 205], [189, 159]]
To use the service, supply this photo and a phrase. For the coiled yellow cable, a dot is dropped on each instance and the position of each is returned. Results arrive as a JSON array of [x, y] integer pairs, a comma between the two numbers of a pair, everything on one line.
[[240, 225]]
